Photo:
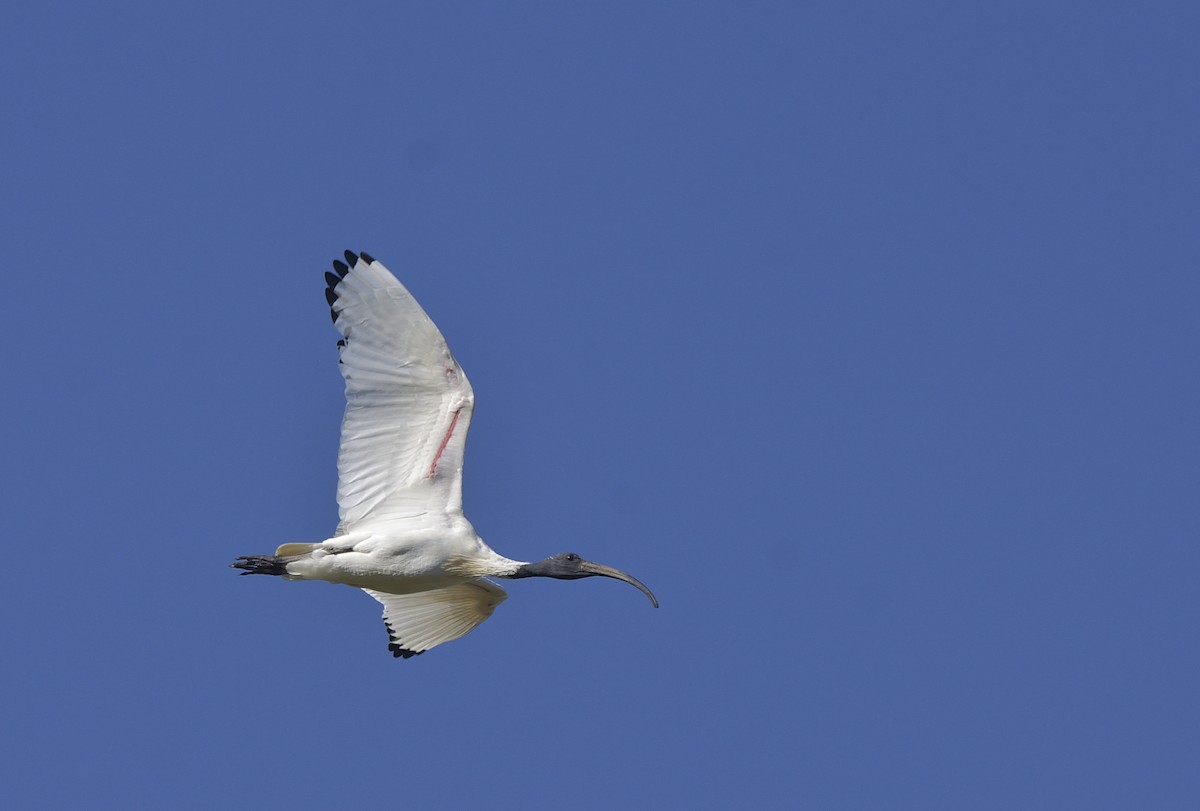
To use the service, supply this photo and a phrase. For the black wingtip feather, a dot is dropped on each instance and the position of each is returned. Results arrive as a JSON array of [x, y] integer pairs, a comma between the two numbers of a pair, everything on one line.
[[332, 279], [331, 297], [394, 646], [351, 259], [366, 257], [340, 267]]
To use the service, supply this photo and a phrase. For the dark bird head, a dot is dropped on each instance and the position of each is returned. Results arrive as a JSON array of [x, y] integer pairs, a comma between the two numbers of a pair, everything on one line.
[[569, 566]]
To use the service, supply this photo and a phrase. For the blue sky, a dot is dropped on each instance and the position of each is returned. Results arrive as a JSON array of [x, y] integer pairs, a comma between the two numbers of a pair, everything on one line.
[[864, 333]]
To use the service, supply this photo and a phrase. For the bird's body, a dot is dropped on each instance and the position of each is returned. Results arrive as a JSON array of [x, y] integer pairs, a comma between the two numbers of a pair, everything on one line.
[[398, 561], [403, 537]]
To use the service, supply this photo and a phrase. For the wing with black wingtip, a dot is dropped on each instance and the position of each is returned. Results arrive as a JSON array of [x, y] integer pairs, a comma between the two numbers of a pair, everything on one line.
[[417, 622], [408, 402]]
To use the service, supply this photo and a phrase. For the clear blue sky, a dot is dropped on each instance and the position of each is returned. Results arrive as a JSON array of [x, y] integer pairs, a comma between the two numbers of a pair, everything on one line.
[[864, 333]]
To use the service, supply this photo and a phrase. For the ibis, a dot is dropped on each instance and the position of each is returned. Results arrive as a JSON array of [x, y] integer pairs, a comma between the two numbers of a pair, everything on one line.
[[402, 536]]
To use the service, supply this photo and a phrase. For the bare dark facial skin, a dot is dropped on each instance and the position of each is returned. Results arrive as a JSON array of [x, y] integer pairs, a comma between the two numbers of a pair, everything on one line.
[[569, 566]]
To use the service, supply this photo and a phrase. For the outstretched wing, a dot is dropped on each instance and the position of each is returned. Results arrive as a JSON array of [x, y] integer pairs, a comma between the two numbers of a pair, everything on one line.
[[408, 403], [420, 621]]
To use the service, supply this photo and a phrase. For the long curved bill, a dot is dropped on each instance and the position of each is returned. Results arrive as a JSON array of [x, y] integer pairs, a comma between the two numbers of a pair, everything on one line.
[[607, 571]]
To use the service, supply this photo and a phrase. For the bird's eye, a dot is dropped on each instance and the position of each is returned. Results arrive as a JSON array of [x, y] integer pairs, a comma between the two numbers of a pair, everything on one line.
[[572, 557]]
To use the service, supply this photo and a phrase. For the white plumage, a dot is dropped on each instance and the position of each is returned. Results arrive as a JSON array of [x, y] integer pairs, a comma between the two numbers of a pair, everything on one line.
[[402, 535]]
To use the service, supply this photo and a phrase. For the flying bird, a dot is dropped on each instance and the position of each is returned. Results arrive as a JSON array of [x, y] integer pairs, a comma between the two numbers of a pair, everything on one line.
[[402, 536]]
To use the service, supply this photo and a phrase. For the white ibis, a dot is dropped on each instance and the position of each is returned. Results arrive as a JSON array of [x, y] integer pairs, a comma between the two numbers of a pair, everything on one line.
[[403, 537]]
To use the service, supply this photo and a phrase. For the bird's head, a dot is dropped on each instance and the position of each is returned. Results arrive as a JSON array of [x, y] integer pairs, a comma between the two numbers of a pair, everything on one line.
[[569, 566]]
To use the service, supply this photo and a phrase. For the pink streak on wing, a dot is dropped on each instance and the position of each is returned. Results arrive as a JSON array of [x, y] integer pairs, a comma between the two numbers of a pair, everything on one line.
[[445, 442]]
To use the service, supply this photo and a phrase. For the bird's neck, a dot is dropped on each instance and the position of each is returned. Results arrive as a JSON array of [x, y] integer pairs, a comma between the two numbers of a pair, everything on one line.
[[488, 564]]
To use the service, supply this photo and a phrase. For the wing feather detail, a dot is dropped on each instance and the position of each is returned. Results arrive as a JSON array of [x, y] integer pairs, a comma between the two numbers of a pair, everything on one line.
[[423, 620], [408, 402]]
